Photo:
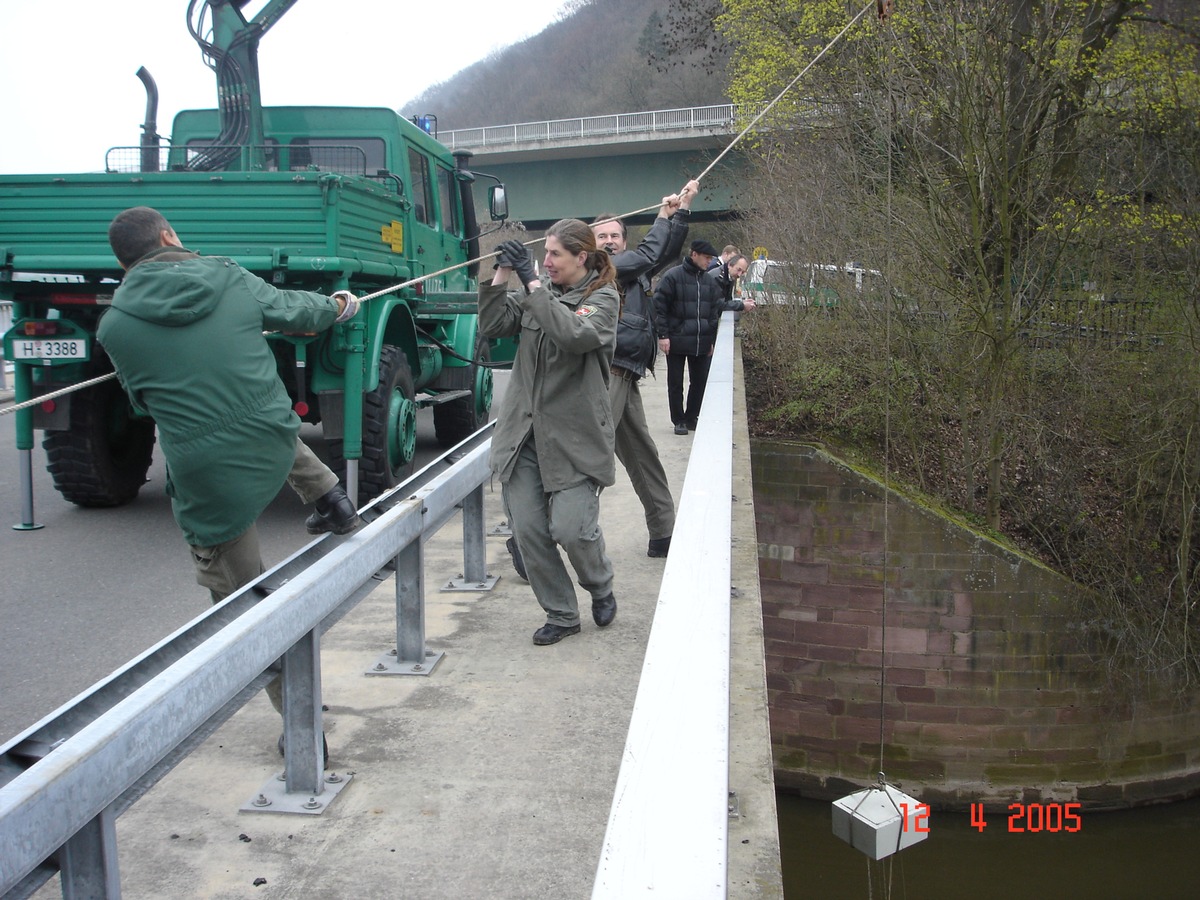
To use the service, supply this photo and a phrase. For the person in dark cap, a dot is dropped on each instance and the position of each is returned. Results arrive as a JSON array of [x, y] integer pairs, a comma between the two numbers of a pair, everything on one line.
[[636, 350], [688, 304]]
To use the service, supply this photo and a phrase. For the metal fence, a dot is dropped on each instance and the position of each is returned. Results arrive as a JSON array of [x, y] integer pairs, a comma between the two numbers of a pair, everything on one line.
[[344, 159], [1113, 324], [720, 118]]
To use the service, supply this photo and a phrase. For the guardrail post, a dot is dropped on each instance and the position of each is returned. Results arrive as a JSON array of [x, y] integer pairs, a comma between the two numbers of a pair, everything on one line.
[[410, 656], [303, 787], [474, 538], [302, 727], [474, 576], [87, 863], [410, 604], [23, 382]]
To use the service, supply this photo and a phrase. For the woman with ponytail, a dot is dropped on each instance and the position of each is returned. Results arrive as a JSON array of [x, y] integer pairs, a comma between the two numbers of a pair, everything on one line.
[[553, 444]]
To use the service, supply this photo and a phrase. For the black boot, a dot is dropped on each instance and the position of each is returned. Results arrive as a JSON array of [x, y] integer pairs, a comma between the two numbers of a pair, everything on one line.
[[604, 610], [518, 562], [334, 512]]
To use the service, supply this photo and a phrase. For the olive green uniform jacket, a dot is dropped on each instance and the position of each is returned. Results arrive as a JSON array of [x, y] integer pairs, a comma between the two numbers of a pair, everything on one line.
[[558, 391], [185, 333]]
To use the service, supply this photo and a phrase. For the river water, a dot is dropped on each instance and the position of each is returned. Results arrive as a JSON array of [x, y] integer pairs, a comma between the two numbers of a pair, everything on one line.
[[1151, 853]]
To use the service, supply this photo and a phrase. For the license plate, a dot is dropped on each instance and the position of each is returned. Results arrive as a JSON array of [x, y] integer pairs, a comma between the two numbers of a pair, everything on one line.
[[48, 348]]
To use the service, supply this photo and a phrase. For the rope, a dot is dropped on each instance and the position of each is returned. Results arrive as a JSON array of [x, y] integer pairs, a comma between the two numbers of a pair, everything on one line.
[[791, 84], [44, 397], [422, 278]]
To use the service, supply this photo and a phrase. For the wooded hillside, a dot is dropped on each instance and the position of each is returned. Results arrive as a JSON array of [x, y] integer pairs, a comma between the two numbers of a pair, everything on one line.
[[603, 56]]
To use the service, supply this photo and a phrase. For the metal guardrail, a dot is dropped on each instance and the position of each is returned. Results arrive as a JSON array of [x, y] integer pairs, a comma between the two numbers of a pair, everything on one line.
[[668, 829], [720, 118], [344, 159], [64, 781]]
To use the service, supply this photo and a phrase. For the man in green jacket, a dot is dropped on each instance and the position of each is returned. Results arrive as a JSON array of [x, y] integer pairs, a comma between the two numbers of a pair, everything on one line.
[[185, 333]]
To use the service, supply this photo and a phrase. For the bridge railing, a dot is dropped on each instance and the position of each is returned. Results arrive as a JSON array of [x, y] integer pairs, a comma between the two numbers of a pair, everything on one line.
[[668, 829], [721, 117]]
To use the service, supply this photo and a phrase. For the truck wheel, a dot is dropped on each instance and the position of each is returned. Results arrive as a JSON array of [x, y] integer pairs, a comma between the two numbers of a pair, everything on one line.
[[102, 459], [389, 429], [459, 419]]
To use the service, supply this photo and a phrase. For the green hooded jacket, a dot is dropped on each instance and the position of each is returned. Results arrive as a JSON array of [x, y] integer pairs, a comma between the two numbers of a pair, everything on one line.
[[558, 390], [185, 334]]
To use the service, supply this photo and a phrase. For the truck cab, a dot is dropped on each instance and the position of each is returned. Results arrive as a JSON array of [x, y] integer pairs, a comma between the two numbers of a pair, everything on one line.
[[415, 172]]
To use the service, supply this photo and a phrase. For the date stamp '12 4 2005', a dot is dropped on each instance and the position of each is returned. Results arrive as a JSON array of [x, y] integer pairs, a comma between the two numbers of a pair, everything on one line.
[[1034, 818]]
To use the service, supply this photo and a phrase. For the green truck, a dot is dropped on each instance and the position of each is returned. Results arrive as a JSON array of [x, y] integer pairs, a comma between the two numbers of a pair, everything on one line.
[[313, 198]]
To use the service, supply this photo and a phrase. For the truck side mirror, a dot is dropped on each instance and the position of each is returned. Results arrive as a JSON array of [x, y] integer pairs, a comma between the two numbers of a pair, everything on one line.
[[497, 203]]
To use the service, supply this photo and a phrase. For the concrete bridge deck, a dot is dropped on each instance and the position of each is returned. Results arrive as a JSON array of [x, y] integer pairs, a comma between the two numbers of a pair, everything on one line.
[[494, 776]]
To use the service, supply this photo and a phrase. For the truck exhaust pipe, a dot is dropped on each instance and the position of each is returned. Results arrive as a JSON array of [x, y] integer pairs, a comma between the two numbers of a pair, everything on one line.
[[150, 137]]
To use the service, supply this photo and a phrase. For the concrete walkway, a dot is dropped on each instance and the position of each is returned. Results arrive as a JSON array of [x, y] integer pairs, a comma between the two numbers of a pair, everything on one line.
[[492, 777]]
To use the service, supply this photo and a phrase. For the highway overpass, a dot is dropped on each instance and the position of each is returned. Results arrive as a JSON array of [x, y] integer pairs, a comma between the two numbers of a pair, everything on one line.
[[583, 167]]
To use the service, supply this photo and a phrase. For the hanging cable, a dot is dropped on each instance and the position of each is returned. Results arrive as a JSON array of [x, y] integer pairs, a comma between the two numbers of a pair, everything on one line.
[[887, 421]]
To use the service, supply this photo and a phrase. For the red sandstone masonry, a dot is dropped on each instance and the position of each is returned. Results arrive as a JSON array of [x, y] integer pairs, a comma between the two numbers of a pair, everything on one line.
[[988, 694]]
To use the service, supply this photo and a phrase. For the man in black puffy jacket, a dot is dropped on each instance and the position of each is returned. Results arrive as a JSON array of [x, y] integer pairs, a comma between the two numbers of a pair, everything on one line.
[[636, 350], [688, 304]]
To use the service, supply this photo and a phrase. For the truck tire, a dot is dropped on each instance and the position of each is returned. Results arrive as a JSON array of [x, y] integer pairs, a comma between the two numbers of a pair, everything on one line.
[[459, 419], [389, 429], [103, 458]]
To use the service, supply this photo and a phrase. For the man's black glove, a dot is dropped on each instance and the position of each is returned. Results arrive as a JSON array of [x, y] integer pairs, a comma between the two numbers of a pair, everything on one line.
[[515, 255]]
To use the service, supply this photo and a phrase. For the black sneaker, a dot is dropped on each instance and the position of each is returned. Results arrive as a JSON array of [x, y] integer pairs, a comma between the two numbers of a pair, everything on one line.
[[658, 547], [691, 424], [333, 512], [552, 634], [680, 428], [518, 562]]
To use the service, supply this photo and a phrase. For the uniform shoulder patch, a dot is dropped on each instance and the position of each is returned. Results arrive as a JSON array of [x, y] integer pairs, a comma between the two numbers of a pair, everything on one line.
[[585, 310]]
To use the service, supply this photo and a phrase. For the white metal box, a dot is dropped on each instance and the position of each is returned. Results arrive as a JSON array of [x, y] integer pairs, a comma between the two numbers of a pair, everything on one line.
[[880, 820]]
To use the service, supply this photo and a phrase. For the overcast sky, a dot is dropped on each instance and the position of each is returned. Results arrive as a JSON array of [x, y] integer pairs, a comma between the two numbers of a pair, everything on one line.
[[69, 89]]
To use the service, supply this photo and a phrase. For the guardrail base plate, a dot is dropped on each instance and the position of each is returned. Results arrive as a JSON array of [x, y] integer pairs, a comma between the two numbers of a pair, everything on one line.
[[273, 797], [469, 586], [389, 665]]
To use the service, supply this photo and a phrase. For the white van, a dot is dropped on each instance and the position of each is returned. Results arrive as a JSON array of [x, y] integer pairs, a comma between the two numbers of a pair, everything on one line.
[[775, 281]]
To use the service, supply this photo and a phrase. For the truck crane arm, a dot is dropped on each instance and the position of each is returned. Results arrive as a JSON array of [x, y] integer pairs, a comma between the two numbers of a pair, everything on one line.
[[230, 48]]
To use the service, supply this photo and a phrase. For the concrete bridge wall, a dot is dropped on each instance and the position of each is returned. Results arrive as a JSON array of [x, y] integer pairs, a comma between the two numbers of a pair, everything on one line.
[[992, 691], [542, 191]]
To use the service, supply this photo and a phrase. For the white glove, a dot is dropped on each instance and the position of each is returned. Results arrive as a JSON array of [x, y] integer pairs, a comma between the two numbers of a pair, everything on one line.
[[350, 309]]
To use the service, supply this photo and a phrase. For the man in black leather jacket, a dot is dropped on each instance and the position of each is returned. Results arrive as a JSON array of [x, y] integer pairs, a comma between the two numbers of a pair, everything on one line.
[[727, 273], [636, 351]]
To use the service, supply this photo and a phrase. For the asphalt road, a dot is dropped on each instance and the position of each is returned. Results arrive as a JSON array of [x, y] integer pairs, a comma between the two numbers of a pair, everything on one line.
[[95, 587]]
